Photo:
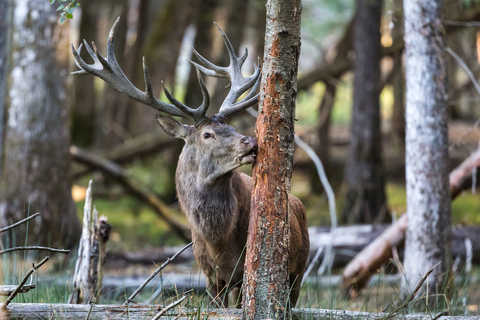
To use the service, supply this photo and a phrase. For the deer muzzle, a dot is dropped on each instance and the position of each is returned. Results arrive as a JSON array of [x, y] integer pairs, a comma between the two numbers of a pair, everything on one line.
[[248, 154]]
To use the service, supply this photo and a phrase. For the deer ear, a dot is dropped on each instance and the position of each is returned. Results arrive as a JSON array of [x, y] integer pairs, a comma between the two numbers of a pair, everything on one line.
[[172, 127]]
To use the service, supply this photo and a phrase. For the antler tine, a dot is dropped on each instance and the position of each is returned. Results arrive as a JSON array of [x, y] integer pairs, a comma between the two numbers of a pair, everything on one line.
[[109, 71], [250, 100], [198, 114], [238, 83]]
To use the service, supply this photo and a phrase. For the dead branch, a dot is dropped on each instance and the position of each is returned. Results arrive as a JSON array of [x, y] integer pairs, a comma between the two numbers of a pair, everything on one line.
[[33, 216], [34, 248], [149, 143], [336, 69], [36, 311], [159, 269], [136, 189], [170, 306], [461, 176], [91, 254], [6, 290], [24, 280]]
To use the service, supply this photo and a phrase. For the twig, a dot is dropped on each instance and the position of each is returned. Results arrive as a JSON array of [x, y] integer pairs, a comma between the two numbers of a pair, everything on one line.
[[20, 222], [24, 280], [465, 67], [6, 290], [463, 24], [34, 248], [133, 187], [170, 306], [414, 293], [92, 303], [156, 272]]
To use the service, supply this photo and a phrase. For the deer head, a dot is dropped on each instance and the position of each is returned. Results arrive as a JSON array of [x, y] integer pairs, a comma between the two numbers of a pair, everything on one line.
[[211, 144]]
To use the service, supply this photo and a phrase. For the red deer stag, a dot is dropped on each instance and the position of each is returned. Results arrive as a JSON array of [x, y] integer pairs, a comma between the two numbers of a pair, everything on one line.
[[212, 194]]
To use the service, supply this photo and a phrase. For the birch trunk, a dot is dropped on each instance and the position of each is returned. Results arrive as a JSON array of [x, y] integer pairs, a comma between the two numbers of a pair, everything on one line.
[[428, 237], [266, 265], [365, 199], [36, 162]]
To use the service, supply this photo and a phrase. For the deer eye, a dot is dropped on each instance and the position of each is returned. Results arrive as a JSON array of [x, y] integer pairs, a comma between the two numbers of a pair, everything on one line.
[[207, 135]]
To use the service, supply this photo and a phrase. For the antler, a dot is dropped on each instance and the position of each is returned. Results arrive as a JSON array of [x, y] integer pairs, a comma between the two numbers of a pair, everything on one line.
[[238, 83], [109, 71]]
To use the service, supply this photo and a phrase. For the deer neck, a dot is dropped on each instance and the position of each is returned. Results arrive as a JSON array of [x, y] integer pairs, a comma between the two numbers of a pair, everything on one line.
[[212, 209]]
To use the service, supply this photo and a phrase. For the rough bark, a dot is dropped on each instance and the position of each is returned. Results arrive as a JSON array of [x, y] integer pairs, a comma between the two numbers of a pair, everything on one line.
[[365, 199], [35, 311], [428, 238], [266, 264], [36, 171]]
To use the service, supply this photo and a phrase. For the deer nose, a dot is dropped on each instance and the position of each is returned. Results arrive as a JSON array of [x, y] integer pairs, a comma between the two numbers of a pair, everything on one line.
[[248, 140]]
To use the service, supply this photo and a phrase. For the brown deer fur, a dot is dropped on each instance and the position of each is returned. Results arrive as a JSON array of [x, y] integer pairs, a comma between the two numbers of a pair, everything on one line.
[[216, 200]]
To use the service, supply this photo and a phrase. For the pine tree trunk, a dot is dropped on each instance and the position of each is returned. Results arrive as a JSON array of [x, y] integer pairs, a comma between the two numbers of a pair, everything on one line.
[[365, 199], [266, 265], [428, 238], [36, 169]]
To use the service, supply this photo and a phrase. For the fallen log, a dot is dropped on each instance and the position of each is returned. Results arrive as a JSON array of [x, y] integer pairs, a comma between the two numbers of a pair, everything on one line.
[[379, 252], [36, 311]]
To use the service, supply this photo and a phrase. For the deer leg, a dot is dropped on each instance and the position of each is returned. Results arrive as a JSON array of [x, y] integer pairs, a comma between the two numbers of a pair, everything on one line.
[[295, 285], [218, 294], [237, 297]]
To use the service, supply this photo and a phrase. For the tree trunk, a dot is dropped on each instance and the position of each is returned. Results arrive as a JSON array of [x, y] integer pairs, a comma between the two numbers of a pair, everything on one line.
[[5, 15], [365, 199], [266, 264], [428, 238], [84, 100], [398, 83], [36, 171]]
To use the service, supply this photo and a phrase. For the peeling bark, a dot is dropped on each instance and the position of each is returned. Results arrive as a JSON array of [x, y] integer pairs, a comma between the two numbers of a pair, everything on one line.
[[36, 166], [428, 238], [266, 266]]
